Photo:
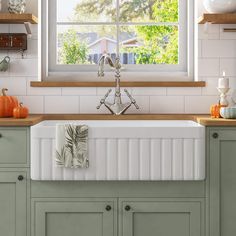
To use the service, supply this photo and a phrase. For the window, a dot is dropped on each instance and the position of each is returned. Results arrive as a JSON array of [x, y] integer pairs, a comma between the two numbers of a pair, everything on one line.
[[154, 36]]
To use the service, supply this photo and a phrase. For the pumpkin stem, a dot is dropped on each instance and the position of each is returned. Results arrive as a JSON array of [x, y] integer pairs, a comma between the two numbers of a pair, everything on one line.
[[21, 104], [4, 91]]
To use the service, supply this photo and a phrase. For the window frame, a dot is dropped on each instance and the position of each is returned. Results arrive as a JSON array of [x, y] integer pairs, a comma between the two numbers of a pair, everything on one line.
[[135, 72]]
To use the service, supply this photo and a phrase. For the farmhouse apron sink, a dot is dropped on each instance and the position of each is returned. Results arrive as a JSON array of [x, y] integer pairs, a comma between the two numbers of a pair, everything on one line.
[[125, 150]]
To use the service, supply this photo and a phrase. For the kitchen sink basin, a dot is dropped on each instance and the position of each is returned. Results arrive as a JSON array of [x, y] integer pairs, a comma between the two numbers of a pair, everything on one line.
[[144, 150]]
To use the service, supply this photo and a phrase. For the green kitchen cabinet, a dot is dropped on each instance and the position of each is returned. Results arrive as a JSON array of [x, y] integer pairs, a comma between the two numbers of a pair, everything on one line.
[[13, 203], [70, 217], [156, 217], [14, 147], [221, 182]]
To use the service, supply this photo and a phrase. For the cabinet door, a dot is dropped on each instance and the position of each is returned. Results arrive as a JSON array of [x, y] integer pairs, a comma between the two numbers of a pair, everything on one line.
[[13, 204], [222, 181], [156, 218], [14, 146], [72, 217]]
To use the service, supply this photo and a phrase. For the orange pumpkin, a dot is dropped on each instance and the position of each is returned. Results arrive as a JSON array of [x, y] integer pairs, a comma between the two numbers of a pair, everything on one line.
[[20, 111], [215, 110], [7, 104]]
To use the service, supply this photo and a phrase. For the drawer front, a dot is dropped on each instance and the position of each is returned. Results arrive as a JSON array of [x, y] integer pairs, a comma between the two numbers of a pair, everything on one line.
[[13, 147]]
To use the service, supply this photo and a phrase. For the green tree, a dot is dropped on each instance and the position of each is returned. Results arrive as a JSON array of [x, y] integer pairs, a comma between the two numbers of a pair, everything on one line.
[[106, 10], [159, 44], [73, 51]]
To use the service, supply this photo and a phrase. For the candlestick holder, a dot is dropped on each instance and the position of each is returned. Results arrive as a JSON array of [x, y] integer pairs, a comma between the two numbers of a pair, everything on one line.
[[223, 96]]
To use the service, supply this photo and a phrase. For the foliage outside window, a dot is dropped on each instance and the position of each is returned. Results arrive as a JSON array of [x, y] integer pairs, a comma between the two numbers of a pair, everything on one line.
[[141, 31]]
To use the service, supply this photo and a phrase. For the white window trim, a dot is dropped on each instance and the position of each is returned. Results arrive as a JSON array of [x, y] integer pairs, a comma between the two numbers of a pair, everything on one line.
[[135, 73]]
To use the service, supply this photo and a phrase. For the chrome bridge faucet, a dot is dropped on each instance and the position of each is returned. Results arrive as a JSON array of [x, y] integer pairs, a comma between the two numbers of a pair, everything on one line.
[[117, 107]]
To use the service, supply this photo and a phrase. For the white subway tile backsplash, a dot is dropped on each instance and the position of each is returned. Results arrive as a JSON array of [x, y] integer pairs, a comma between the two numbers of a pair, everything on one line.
[[24, 67], [41, 91], [211, 86], [34, 103], [20, 28], [218, 48], [142, 102], [209, 32], [4, 28], [199, 104], [184, 91], [208, 67], [199, 48], [167, 104], [79, 91], [102, 91], [229, 66], [88, 104], [16, 86], [227, 35], [61, 104], [148, 91]]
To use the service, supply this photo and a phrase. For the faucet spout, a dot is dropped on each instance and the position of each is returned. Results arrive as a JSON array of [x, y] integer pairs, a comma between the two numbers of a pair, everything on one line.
[[104, 58]]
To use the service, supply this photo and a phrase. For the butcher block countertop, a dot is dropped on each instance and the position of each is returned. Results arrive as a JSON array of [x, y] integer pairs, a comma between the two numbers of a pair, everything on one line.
[[35, 119]]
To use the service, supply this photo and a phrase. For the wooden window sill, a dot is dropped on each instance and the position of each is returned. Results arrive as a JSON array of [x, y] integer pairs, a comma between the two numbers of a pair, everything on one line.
[[123, 84]]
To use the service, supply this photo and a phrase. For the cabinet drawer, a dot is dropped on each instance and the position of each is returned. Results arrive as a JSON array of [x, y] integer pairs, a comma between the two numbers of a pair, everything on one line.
[[13, 147]]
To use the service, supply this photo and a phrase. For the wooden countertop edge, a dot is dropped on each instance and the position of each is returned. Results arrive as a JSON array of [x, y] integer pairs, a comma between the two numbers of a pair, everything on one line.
[[35, 119]]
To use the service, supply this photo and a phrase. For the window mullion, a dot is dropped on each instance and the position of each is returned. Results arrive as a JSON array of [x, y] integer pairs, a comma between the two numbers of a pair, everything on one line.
[[118, 27]]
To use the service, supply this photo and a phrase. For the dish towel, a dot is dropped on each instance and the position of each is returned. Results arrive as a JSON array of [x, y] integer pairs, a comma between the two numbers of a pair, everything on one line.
[[72, 146]]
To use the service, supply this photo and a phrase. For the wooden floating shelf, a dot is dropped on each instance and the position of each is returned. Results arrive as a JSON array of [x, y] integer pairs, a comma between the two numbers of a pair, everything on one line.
[[229, 18], [7, 18], [123, 84]]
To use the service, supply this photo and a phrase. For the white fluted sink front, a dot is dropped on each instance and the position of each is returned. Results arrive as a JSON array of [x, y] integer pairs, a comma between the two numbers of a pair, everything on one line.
[[126, 150]]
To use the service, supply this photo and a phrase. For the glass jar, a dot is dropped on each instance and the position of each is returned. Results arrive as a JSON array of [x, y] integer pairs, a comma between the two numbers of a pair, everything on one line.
[[17, 6]]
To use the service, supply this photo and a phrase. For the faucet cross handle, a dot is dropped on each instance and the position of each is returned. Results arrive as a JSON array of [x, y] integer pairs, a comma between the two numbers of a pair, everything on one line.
[[104, 99], [133, 101]]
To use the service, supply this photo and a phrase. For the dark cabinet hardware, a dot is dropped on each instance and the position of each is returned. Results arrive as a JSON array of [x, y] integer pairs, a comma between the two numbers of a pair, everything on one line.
[[108, 208], [20, 177], [215, 135], [127, 208]]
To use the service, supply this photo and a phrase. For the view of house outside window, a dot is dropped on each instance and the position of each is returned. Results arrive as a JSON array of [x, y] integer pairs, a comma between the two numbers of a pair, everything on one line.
[[140, 31]]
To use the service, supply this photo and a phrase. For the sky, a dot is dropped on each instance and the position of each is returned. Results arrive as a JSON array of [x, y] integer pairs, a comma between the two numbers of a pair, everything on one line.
[[65, 8]]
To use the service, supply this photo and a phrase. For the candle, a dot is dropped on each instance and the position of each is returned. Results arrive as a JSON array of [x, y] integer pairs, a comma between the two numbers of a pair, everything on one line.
[[223, 82]]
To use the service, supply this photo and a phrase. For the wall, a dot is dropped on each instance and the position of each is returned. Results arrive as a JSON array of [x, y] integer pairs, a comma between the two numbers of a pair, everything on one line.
[[217, 52]]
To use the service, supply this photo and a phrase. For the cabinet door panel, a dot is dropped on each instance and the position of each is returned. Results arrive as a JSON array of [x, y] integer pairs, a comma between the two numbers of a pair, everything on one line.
[[71, 217], [222, 182], [12, 205], [14, 147], [154, 218]]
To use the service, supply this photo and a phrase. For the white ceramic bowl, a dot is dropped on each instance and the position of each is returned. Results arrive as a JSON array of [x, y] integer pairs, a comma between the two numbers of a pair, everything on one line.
[[220, 6], [228, 112]]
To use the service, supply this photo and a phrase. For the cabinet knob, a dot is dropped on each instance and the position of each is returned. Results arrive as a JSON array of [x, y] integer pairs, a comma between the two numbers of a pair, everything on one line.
[[20, 177], [215, 135], [127, 208], [108, 208]]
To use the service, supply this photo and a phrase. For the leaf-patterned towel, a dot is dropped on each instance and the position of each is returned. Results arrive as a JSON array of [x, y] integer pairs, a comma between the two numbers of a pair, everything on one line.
[[72, 146]]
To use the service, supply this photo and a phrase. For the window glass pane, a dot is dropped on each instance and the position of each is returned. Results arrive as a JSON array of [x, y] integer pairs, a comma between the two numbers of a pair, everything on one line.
[[149, 44], [149, 10], [86, 10], [84, 44]]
